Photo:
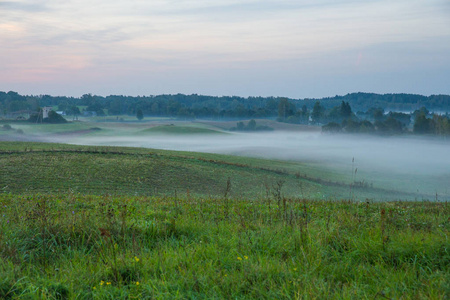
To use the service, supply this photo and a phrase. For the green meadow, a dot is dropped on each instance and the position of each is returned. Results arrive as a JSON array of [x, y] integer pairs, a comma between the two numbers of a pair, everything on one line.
[[313, 178], [103, 222], [99, 170], [77, 246]]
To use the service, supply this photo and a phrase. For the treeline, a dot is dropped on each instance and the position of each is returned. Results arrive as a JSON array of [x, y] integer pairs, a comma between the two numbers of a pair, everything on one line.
[[342, 119], [198, 106], [250, 126]]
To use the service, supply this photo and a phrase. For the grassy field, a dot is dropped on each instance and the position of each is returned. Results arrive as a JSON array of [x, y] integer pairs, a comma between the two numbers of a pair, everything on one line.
[[315, 178], [73, 246], [181, 130], [55, 168], [88, 222]]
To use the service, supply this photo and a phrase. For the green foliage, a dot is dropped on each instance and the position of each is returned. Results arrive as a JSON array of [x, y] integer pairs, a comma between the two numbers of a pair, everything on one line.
[[54, 118], [251, 126], [199, 106], [351, 126], [405, 119], [376, 114], [436, 124], [390, 126], [285, 109], [422, 124], [331, 127], [345, 110], [317, 112], [139, 114], [73, 110]]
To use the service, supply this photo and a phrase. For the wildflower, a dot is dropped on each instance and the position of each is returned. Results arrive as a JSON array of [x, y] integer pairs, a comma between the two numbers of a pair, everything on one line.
[[239, 258], [245, 256], [94, 288], [108, 283], [295, 269], [102, 282], [136, 259], [137, 282]]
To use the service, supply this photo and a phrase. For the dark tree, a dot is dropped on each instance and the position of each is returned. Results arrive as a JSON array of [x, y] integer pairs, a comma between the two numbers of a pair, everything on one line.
[[251, 125], [401, 117], [366, 127], [285, 109], [332, 127], [54, 118], [351, 126], [74, 110], [422, 125], [139, 114], [317, 112], [345, 110], [376, 113]]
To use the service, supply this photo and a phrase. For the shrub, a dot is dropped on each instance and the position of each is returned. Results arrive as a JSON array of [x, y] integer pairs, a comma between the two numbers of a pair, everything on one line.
[[54, 118]]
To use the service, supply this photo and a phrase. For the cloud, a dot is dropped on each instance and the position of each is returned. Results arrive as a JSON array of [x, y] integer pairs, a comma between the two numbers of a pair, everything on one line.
[[321, 38]]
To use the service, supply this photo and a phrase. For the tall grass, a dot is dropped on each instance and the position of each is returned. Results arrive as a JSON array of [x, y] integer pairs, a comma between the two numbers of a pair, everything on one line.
[[77, 246]]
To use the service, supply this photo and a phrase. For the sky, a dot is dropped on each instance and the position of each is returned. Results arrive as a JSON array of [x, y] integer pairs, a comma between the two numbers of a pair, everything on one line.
[[296, 49]]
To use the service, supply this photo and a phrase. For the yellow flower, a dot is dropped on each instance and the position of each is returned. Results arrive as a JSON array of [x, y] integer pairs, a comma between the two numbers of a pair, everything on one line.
[[136, 259], [137, 282], [94, 288], [295, 269], [108, 283], [239, 258], [245, 256], [102, 282]]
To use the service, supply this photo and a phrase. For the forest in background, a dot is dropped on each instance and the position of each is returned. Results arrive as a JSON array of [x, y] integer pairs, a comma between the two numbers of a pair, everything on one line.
[[199, 106], [353, 113]]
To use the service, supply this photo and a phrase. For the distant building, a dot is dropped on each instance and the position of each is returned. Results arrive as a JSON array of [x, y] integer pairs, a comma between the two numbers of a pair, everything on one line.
[[45, 111], [62, 113]]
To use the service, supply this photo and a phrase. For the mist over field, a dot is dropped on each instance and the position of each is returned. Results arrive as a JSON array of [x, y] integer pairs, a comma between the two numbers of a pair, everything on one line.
[[402, 163], [397, 154]]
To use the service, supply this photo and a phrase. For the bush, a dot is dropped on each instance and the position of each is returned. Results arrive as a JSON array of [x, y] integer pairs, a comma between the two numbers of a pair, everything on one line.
[[332, 127], [54, 118]]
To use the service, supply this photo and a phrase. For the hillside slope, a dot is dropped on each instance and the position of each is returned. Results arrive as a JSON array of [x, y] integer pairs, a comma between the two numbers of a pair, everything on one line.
[[59, 168]]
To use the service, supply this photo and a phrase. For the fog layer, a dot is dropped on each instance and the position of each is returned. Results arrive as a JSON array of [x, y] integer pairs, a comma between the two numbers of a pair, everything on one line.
[[403, 163]]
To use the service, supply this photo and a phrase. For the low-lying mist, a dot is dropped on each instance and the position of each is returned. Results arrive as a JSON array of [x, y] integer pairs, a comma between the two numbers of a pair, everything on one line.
[[399, 154], [403, 163], [412, 164]]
